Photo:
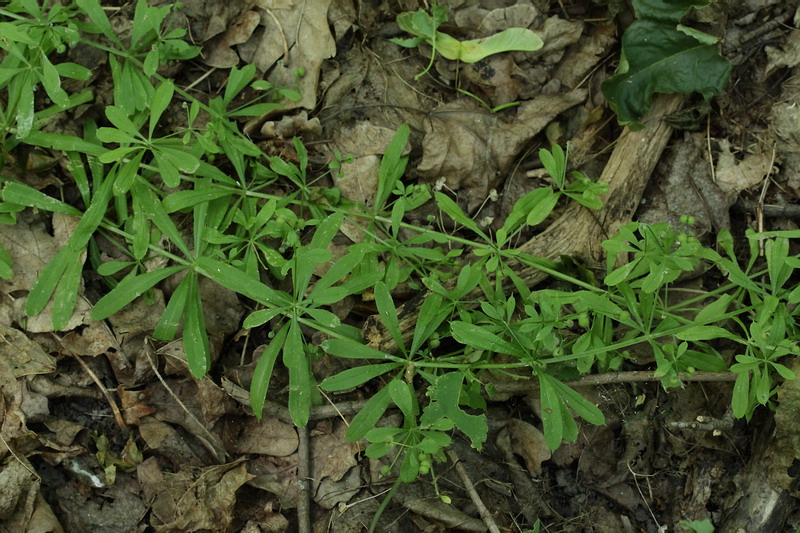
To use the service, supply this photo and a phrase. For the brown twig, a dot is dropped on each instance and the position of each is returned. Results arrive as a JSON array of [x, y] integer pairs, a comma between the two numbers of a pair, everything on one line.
[[303, 482], [473, 494], [109, 399]]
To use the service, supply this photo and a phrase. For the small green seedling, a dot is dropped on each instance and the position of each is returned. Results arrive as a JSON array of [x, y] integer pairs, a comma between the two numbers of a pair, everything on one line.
[[424, 28]]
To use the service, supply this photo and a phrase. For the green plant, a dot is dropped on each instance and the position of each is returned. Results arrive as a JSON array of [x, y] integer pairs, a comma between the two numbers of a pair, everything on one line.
[[424, 28], [161, 195], [661, 55]]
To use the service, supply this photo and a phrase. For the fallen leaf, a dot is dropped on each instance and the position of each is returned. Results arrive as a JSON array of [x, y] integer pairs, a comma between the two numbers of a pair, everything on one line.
[[734, 175], [528, 442], [268, 437], [219, 51]]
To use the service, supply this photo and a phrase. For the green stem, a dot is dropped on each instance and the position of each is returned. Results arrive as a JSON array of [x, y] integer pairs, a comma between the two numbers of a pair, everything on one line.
[[383, 505]]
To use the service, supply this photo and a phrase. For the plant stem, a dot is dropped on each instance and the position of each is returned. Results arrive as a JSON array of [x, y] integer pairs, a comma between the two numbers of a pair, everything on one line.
[[383, 505]]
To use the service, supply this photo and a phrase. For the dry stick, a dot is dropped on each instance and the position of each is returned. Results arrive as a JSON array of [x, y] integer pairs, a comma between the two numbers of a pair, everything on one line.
[[303, 482], [219, 455], [579, 230], [111, 402], [473, 494]]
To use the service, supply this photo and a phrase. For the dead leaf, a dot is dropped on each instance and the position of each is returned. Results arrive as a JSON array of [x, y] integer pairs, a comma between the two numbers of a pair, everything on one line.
[[590, 49], [268, 437], [787, 55], [529, 443], [301, 29], [219, 51], [25, 357], [277, 475], [332, 455], [93, 340], [735, 176], [193, 499], [521, 15], [472, 149]]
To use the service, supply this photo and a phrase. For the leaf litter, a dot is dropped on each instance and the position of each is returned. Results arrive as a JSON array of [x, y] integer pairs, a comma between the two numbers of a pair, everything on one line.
[[205, 465]]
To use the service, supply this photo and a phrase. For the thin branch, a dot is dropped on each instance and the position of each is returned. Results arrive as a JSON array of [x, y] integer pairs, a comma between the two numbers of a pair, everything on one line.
[[473, 494]]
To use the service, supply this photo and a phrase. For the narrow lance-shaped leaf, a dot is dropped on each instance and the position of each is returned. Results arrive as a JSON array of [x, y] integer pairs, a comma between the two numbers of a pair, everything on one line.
[[195, 336], [300, 384], [388, 313], [129, 289], [369, 415], [353, 377], [170, 320], [263, 371]]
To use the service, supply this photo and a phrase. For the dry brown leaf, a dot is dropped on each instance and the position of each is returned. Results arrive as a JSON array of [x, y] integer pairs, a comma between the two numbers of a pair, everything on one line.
[[786, 55], [521, 15], [332, 454], [23, 356], [472, 149], [268, 437], [735, 176], [590, 49], [301, 29], [192, 500], [529, 443], [18, 496], [31, 247], [277, 475], [219, 52], [93, 340]]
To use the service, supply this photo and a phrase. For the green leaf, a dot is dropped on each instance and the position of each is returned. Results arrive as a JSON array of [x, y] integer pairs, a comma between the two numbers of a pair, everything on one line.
[[96, 14], [195, 337], [52, 83], [509, 40], [353, 377], [662, 59], [388, 313], [66, 294], [129, 289], [479, 337], [431, 315], [185, 199], [740, 402], [666, 10], [19, 193], [234, 279], [152, 208], [704, 333], [370, 413], [109, 268], [446, 204], [158, 104], [64, 143], [402, 394], [393, 165], [445, 393], [237, 81], [170, 320], [582, 407], [542, 203], [47, 281], [263, 371], [300, 384], [257, 318], [552, 422]]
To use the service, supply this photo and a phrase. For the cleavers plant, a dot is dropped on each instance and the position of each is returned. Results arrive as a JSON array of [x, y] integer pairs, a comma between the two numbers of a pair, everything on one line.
[[140, 180]]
